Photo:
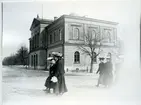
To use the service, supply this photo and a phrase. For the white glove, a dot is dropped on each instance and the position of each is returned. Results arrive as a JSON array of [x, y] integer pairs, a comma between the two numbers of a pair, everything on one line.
[[54, 79]]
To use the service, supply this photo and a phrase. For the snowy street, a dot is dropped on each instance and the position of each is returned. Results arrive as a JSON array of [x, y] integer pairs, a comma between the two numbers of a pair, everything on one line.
[[25, 87]]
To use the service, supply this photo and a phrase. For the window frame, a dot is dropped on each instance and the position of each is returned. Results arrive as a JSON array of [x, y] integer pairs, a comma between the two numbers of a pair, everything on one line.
[[76, 57], [74, 33]]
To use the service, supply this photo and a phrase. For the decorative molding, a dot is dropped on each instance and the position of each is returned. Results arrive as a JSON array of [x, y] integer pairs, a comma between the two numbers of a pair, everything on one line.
[[77, 25], [90, 19]]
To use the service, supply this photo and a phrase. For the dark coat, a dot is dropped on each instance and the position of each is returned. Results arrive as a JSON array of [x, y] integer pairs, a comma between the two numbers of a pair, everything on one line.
[[108, 76], [101, 68], [52, 71], [108, 67], [60, 75]]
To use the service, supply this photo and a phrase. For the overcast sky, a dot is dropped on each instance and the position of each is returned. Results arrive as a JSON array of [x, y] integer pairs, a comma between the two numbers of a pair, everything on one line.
[[19, 16]]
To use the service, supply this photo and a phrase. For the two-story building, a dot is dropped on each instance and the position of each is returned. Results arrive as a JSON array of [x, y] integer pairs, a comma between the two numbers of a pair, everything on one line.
[[65, 34], [38, 43]]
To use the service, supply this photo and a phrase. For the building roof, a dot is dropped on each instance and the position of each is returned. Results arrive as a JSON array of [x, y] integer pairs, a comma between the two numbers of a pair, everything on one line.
[[50, 22], [37, 21], [44, 20], [82, 18]]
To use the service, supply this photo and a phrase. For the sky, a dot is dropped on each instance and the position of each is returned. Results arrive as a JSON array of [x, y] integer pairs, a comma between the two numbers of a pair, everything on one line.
[[18, 17]]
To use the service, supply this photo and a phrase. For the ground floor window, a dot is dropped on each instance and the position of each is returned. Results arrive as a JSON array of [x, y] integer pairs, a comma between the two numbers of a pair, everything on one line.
[[36, 60], [76, 57], [31, 60]]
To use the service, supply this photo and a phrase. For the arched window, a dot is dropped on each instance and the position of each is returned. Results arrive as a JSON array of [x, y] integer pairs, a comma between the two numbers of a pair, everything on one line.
[[76, 57], [76, 33], [93, 34], [109, 37]]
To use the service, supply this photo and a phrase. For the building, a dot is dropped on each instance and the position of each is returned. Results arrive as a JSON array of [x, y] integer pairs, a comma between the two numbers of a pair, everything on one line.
[[65, 34], [38, 43]]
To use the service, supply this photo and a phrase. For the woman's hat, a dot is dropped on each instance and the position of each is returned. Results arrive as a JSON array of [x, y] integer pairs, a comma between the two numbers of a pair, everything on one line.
[[57, 54], [101, 58], [50, 58]]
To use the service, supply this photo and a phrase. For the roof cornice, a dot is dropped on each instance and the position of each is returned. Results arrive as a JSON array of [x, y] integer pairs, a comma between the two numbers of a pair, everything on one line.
[[90, 19]]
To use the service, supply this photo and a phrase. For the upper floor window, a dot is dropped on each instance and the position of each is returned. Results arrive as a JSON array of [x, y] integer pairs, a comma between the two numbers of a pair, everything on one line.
[[93, 34], [76, 33], [76, 57], [60, 34], [109, 37], [55, 36], [50, 38]]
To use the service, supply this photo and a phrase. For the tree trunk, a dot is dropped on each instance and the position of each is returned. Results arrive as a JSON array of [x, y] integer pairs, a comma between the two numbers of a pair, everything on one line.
[[91, 68]]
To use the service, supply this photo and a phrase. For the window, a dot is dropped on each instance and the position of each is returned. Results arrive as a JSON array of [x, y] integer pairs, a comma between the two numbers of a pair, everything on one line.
[[36, 57], [57, 35], [76, 33], [109, 37], [34, 63], [53, 35], [60, 34], [93, 34], [32, 60], [50, 38], [76, 57]]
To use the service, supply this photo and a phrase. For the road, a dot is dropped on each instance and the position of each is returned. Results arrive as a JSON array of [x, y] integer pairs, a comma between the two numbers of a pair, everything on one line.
[[22, 86]]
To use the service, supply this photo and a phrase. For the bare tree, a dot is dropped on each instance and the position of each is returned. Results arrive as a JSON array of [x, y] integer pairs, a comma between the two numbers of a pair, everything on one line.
[[10, 60], [90, 45], [22, 55], [20, 58]]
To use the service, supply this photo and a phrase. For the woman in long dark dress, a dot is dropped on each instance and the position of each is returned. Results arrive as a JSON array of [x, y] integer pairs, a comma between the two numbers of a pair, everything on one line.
[[108, 75], [100, 71], [49, 84], [60, 73]]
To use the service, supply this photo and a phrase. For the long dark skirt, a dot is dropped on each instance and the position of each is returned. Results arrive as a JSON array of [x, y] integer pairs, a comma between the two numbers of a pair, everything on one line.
[[101, 79], [62, 84], [108, 79], [49, 84]]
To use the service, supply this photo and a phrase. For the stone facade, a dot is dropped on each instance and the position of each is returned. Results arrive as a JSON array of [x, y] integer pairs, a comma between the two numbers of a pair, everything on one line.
[[38, 43], [66, 33], [86, 26]]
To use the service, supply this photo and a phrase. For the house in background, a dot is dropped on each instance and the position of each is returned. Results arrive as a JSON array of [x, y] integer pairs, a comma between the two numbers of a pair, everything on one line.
[[65, 34]]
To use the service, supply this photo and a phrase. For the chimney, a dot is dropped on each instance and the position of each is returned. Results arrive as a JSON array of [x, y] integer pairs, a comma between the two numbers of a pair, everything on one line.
[[55, 18]]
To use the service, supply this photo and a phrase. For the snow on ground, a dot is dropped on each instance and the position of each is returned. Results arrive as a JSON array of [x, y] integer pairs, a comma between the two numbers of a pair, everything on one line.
[[25, 87]]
